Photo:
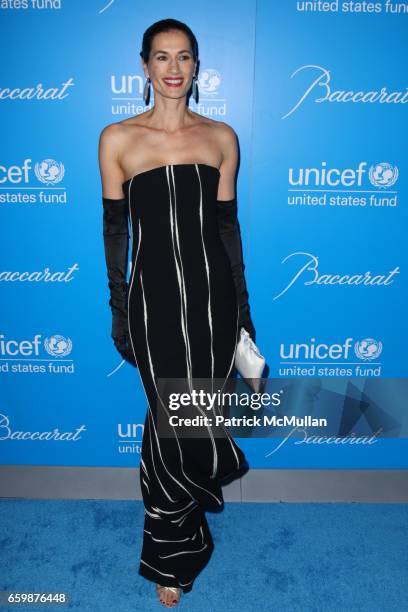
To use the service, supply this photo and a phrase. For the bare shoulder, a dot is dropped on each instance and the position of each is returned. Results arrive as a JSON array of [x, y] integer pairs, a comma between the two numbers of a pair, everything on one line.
[[111, 136], [110, 148], [227, 143], [116, 132], [226, 138], [224, 130]]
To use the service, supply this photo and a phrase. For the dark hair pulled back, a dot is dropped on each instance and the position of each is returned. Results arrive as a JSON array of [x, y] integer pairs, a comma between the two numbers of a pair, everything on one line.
[[166, 25]]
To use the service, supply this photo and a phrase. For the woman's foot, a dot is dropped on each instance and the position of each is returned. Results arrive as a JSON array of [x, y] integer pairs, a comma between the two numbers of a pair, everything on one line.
[[169, 596]]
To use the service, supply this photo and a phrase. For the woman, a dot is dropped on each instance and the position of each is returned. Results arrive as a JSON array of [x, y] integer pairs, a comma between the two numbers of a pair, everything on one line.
[[171, 173]]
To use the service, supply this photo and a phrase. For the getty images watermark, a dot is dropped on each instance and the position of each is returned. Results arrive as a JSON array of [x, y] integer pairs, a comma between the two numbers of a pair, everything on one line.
[[265, 408]]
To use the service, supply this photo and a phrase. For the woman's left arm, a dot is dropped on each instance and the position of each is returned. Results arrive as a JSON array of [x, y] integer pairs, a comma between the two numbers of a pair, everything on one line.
[[228, 224]]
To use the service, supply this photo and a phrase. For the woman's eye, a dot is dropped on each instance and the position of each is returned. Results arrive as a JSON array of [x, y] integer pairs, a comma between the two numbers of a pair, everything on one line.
[[186, 57]]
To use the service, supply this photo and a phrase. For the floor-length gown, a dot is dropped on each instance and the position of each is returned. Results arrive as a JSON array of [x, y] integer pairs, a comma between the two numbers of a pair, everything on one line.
[[183, 323]]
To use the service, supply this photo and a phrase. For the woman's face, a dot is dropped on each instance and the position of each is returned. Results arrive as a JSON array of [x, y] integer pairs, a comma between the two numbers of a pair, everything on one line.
[[171, 64]]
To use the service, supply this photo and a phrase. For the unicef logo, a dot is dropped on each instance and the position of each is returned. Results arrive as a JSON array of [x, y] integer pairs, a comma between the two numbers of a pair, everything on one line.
[[209, 82], [49, 171], [58, 346], [367, 349], [383, 174]]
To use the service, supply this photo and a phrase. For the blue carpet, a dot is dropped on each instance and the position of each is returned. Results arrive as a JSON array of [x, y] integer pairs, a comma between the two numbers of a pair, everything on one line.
[[281, 557]]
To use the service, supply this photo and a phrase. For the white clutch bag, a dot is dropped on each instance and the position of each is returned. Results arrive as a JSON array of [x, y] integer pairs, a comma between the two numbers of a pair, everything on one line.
[[249, 361]]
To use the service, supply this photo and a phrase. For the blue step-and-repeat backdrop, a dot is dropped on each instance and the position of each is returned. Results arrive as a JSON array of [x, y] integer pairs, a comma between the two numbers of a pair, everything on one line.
[[316, 92]]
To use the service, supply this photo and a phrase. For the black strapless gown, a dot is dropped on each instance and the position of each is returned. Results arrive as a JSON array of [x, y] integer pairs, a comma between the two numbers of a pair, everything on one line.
[[183, 323]]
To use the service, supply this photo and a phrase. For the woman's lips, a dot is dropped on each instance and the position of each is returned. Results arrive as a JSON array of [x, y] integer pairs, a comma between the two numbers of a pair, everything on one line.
[[173, 82]]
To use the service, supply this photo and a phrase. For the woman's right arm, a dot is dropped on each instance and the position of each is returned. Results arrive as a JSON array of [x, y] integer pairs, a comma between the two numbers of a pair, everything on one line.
[[116, 239], [110, 149]]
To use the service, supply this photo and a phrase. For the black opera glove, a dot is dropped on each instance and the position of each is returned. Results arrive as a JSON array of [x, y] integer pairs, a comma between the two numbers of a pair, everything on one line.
[[116, 245], [230, 232]]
